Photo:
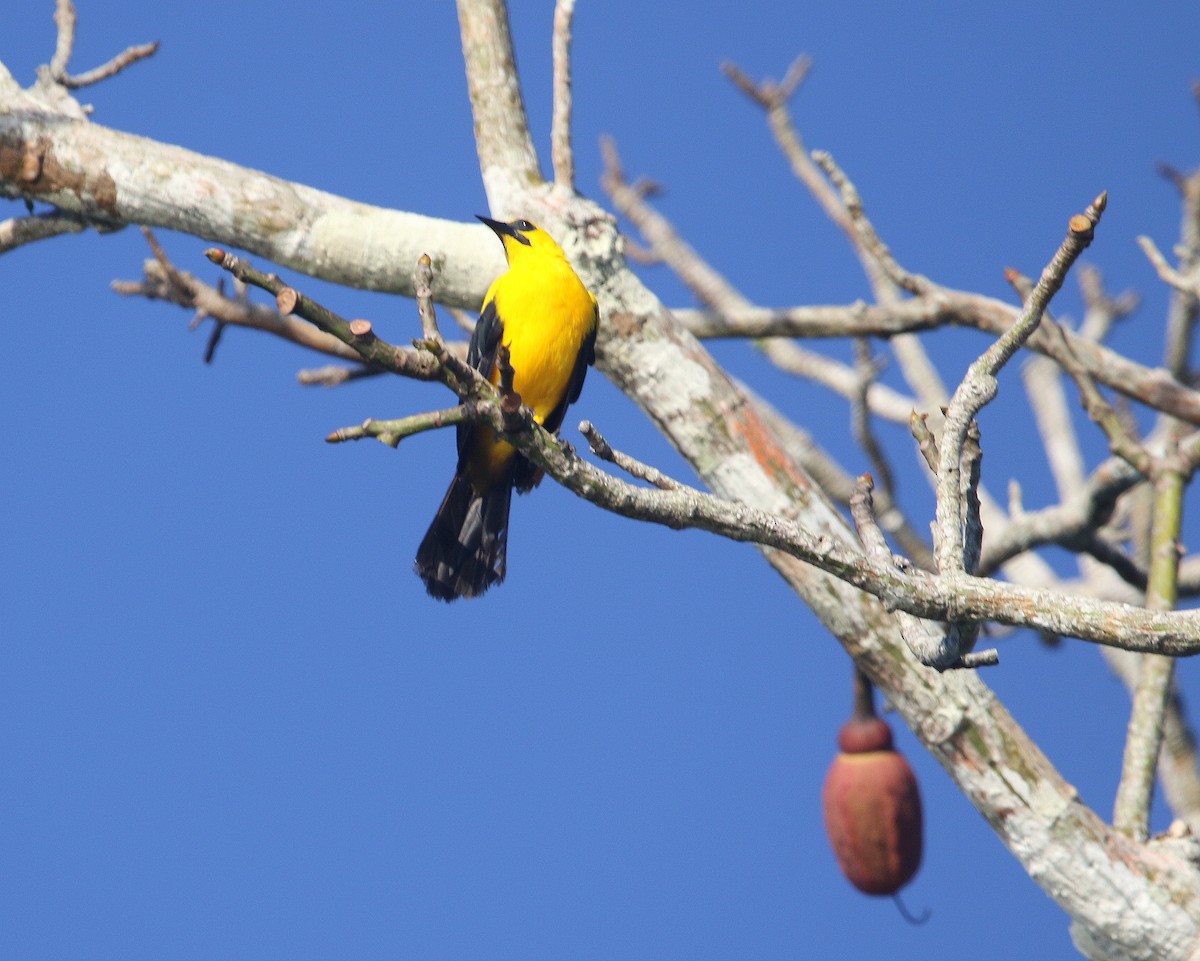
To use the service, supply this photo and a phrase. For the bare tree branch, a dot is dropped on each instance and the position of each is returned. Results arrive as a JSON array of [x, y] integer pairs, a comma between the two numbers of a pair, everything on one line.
[[562, 154], [391, 432], [980, 386], [1131, 811], [17, 231], [66, 19], [82, 168], [507, 158], [714, 290], [423, 284], [334, 375], [161, 280], [358, 335], [1129, 898]]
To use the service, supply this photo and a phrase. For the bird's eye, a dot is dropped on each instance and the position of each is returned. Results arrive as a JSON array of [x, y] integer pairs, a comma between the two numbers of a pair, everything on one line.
[[523, 225]]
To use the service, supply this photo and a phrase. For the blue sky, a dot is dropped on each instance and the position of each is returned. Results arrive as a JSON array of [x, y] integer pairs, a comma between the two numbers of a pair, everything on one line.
[[231, 723]]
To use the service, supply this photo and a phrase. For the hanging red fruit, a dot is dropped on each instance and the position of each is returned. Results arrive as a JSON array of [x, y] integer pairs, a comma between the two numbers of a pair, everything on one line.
[[872, 802]]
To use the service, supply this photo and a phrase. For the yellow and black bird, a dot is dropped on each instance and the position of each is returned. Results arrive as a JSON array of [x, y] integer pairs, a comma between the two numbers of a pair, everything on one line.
[[541, 311]]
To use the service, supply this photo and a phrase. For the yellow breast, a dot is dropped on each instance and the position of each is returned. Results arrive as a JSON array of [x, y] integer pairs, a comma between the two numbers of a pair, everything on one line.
[[547, 315]]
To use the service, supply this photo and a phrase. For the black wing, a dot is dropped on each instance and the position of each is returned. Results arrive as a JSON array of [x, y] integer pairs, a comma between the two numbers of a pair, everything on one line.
[[587, 357], [481, 354]]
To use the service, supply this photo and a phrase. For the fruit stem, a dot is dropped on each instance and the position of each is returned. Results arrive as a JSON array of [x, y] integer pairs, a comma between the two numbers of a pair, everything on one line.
[[864, 697]]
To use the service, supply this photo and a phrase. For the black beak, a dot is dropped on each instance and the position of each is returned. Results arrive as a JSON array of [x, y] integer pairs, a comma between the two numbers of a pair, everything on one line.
[[499, 226], [502, 229]]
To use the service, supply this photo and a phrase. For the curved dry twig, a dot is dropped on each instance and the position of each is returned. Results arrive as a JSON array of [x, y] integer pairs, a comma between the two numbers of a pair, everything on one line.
[[65, 18]]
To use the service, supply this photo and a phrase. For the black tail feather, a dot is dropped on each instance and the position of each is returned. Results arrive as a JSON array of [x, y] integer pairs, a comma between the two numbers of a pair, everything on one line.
[[463, 552]]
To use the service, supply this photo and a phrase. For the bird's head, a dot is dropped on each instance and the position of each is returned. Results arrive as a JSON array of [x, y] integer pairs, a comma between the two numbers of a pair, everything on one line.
[[522, 239]]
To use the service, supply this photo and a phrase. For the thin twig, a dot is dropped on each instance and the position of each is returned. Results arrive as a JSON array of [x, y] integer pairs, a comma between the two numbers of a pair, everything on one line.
[[391, 432], [17, 231], [862, 512], [423, 284], [867, 238], [1169, 275], [1102, 310], [419, 364], [1184, 308], [1105, 551], [980, 386], [66, 19], [163, 280], [334, 375], [1048, 401], [972, 457], [927, 444], [464, 321], [773, 98], [1131, 811], [635, 468], [860, 415], [125, 58], [711, 288], [1121, 439]]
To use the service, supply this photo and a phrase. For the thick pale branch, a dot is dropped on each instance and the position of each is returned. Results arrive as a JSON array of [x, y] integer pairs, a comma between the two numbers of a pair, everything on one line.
[[97, 174], [507, 159], [562, 154], [861, 425]]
